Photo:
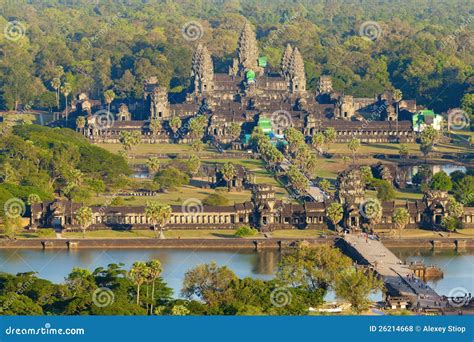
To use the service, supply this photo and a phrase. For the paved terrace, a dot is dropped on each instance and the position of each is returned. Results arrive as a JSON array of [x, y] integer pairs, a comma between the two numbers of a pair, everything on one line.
[[399, 279]]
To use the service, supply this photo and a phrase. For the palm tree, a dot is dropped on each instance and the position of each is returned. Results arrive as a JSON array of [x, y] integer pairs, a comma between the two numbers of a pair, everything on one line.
[[56, 84], [154, 272], [155, 126], [80, 123], [228, 173], [84, 218], [153, 164], [401, 218], [317, 141], [138, 273], [354, 145], [397, 96], [66, 90], [335, 213], [175, 124], [330, 135], [158, 214], [404, 151], [109, 97]]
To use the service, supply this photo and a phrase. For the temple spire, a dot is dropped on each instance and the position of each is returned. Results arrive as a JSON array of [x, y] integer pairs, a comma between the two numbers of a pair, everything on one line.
[[296, 72], [202, 70], [285, 61], [247, 50]]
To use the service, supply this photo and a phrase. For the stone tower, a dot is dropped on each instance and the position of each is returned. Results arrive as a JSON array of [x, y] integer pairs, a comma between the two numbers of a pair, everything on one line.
[[285, 61], [345, 108], [296, 73], [156, 98], [247, 50], [325, 85], [350, 187], [202, 71]]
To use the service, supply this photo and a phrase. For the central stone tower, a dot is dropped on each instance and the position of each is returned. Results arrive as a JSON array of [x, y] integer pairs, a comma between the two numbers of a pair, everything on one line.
[[247, 51]]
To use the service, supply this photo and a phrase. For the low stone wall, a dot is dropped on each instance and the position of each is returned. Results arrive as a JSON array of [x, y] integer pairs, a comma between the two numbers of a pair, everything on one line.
[[231, 243]]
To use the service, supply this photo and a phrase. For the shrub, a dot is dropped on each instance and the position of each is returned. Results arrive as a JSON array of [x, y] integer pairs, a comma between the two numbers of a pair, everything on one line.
[[215, 199], [245, 231]]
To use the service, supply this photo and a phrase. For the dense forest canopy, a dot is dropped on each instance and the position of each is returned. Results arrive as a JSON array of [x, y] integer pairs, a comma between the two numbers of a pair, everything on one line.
[[424, 47]]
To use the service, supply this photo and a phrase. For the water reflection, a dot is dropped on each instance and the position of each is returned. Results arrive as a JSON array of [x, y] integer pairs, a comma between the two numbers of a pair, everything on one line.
[[54, 265]]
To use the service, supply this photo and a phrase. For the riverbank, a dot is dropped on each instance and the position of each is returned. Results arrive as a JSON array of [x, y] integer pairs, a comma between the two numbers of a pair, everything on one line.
[[223, 243]]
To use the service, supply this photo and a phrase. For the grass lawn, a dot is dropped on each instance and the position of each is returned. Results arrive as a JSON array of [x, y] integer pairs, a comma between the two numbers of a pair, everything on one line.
[[157, 148], [39, 234], [177, 197]]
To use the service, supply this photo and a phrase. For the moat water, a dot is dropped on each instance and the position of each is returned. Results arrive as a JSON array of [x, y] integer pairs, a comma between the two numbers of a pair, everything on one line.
[[54, 265]]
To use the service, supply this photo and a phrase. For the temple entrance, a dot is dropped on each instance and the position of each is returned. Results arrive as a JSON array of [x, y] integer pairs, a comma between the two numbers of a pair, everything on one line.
[[438, 219]]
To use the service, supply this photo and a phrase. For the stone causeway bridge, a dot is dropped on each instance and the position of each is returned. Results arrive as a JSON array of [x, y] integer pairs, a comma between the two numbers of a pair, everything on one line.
[[399, 279]]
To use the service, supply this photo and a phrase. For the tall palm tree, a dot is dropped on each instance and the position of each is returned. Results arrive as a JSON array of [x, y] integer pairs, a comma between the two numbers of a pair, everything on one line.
[[80, 123], [154, 272], [66, 90], [228, 173], [56, 84], [397, 96], [138, 273], [109, 97], [158, 214]]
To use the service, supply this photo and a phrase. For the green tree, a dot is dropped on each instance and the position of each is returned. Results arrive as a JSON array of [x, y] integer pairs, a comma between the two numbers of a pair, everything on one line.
[[153, 164], [84, 218], [209, 283], [228, 173], [385, 190], [403, 151], [80, 123], [109, 97], [154, 272], [401, 217], [155, 126], [56, 85], [138, 273], [354, 146], [335, 213], [66, 90], [170, 178], [325, 185], [330, 135], [158, 214], [175, 124], [312, 268], [441, 181], [317, 141], [234, 130], [194, 164], [215, 200], [356, 285]]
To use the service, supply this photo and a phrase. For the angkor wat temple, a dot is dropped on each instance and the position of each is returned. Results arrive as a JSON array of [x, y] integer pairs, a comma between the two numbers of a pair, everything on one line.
[[264, 212], [250, 91]]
